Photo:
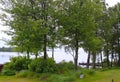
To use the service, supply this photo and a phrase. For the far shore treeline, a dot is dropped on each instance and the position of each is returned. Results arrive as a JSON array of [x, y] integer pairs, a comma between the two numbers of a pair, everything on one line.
[[7, 49]]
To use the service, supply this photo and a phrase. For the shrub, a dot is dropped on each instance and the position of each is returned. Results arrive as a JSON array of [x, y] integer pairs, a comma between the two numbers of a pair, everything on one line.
[[8, 72], [90, 72], [17, 63], [85, 72], [43, 66], [65, 66], [55, 78], [26, 73]]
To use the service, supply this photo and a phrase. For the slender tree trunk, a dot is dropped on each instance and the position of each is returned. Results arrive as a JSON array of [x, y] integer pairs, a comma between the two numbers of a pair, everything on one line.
[[44, 6], [45, 44], [107, 54], [112, 56], [76, 57], [76, 51], [94, 60], [101, 59], [107, 59], [53, 52], [36, 55], [118, 53], [88, 59], [28, 55], [118, 59]]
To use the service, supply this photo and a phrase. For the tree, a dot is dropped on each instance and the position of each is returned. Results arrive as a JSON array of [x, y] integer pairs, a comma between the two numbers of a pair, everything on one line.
[[32, 24], [77, 24]]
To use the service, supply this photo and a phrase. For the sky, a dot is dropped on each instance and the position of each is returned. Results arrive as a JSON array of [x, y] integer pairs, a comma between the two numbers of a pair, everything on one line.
[[3, 28], [112, 2]]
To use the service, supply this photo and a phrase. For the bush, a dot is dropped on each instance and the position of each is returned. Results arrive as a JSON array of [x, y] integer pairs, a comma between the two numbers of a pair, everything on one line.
[[17, 63], [65, 66], [8, 72], [85, 72], [55, 78], [90, 72], [43, 66], [26, 73]]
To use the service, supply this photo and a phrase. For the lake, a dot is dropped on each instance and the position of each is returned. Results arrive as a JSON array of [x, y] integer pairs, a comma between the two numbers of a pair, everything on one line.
[[59, 56]]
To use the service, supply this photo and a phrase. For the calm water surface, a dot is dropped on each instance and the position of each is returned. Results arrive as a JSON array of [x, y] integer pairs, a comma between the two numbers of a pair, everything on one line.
[[59, 56]]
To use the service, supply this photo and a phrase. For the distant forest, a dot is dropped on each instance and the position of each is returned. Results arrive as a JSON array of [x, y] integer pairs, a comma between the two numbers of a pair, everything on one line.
[[7, 49]]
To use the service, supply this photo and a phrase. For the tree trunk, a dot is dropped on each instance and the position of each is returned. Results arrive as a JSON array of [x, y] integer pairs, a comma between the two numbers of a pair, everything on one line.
[[118, 53], [76, 50], [88, 59], [28, 56], [76, 58], [45, 44], [36, 55], [118, 59], [44, 6], [107, 54], [107, 59], [115, 59], [94, 60], [53, 52], [101, 59], [112, 56]]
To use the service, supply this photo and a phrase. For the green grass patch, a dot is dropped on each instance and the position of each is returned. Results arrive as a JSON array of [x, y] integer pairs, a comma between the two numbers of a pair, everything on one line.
[[15, 79], [102, 76], [71, 76]]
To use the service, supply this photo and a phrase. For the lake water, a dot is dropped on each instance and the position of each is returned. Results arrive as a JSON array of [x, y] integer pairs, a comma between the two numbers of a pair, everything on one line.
[[59, 56]]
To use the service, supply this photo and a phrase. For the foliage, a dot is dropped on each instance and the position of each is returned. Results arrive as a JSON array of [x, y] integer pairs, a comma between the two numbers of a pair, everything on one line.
[[43, 66], [32, 24], [17, 63], [26, 73], [65, 66], [8, 72], [90, 72], [79, 25], [36, 25]]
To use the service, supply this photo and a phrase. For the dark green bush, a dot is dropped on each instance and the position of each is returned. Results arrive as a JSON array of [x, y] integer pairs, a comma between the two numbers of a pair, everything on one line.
[[17, 63], [43, 66], [26, 73], [8, 72], [65, 66]]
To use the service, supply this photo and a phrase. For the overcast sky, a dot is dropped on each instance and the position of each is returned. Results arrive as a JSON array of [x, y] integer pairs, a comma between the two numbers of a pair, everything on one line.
[[112, 2], [3, 35]]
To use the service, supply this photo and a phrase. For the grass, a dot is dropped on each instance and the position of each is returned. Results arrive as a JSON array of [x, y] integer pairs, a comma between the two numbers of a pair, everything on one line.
[[107, 76], [103, 76], [15, 79], [90, 76]]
